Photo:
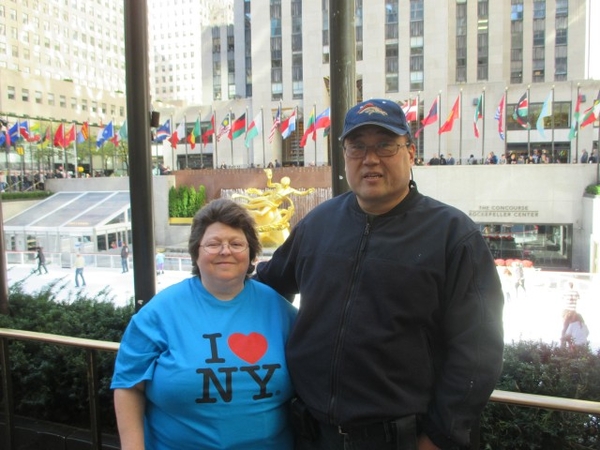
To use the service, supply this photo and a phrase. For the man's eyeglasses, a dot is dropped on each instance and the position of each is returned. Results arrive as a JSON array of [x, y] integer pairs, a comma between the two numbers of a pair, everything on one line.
[[213, 248], [382, 149]]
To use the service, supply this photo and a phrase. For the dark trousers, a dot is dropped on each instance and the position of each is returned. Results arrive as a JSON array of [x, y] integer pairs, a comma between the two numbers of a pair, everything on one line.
[[400, 434]]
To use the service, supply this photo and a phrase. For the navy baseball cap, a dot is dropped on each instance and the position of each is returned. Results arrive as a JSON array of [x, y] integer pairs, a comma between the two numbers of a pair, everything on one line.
[[383, 113]]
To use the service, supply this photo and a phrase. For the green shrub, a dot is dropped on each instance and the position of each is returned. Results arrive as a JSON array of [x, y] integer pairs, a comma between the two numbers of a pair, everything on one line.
[[50, 381], [544, 369], [29, 195], [593, 189], [185, 201]]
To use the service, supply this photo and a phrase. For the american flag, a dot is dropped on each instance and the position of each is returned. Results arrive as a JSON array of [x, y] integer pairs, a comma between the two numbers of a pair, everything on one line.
[[276, 123]]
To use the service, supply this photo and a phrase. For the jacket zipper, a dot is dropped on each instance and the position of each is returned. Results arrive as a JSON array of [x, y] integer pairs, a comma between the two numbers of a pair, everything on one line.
[[342, 327]]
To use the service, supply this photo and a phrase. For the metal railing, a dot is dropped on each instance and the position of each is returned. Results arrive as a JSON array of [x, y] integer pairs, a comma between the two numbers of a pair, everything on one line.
[[93, 346]]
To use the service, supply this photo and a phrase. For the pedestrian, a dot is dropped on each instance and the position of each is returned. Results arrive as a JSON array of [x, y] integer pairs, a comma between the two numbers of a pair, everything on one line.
[[399, 338], [41, 260], [125, 258], [202, 365], [79, 265], [570, 300], [519, 278], [160, 263], [577, 331]]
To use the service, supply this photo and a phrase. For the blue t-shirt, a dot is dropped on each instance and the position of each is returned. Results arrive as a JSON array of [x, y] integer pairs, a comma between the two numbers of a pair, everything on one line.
[[215, 370]]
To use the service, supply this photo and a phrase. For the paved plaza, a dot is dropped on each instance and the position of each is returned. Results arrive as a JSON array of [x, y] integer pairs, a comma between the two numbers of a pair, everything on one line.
[[533, 315]]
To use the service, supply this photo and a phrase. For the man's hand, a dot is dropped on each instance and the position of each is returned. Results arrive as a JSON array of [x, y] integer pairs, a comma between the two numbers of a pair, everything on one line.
[[424, 443]]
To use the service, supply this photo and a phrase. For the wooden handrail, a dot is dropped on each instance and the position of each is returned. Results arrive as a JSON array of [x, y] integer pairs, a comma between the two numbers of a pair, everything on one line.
[[91, 345]]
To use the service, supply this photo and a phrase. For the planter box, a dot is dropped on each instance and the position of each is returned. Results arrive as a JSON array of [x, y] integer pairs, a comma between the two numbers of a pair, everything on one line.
[[180, 220]]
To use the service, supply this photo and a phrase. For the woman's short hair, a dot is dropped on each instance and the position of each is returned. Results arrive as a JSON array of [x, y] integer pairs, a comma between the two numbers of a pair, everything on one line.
[[229, 213]]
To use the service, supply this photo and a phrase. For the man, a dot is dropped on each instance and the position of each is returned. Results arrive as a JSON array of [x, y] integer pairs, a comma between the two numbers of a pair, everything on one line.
[[79, 265], [570, 299], [125, 258], [399, 339]]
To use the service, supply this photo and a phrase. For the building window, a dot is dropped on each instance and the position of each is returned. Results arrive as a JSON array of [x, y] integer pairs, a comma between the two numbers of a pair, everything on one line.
[[51, 99], [461, 42], [63, 101], [38, 97], [10, 92], [276, 51], [416, 65], [325, 33], [482, 40], [516, 42], [25, 95]]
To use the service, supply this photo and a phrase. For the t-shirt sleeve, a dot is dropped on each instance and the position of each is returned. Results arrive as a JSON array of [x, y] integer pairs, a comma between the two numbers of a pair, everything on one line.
[[142, 344]]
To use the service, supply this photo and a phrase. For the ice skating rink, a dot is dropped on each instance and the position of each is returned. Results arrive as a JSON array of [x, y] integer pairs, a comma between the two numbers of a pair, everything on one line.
[[531, 315]]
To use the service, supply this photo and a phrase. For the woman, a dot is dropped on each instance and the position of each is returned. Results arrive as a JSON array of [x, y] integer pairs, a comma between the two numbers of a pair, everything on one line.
[[202, 365], [577, 331]]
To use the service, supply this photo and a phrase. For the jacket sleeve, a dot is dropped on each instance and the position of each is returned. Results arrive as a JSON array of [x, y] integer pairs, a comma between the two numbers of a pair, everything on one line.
[[280, 271], [472, 338]]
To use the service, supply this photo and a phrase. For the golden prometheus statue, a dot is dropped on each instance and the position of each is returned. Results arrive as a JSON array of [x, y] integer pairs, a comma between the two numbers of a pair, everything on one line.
[[272, 222]]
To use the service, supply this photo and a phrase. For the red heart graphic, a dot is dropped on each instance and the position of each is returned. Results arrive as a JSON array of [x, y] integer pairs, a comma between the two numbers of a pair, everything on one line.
[[249, 348]]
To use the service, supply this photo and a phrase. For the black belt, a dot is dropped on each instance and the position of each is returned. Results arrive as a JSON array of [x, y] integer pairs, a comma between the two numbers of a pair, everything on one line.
[[403, 430]]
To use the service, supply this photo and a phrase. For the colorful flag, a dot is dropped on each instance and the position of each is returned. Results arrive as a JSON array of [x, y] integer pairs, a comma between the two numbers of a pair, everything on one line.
[[107, 133], [116, 139], [500, 117], [478, 115], [177, 135], [309, 129], [69, 136], [546, 112], [164, 131], [432, 117], [195, 133], [59, 136], [238, 127], [13, 134], [123, 131], [575, 120], [225, 126], [410, 109], [24, 130], [276, 123], [521, 112], [210, 131], [2, 138], [592, 113], [254, 129], [84, 133], [288, 125], [323, 121], [47, 135], [452, 116]]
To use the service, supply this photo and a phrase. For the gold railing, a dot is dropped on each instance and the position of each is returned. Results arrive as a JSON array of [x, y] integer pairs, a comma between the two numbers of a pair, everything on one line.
[[93, 346]]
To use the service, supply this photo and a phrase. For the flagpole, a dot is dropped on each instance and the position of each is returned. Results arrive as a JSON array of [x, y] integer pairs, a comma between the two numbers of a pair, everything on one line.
[[576, 130], [528, 124], [552, 122], [231, 135], [483, 119], [460, 123], [246, 134], [262, 121], [505, 125], [216, 149], [76, 172], [186, 142], [439, 117], [315, 130], [418, 122]]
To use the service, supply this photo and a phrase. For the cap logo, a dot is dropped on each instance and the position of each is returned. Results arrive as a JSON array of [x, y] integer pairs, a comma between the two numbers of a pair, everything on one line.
[[370, 109]]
